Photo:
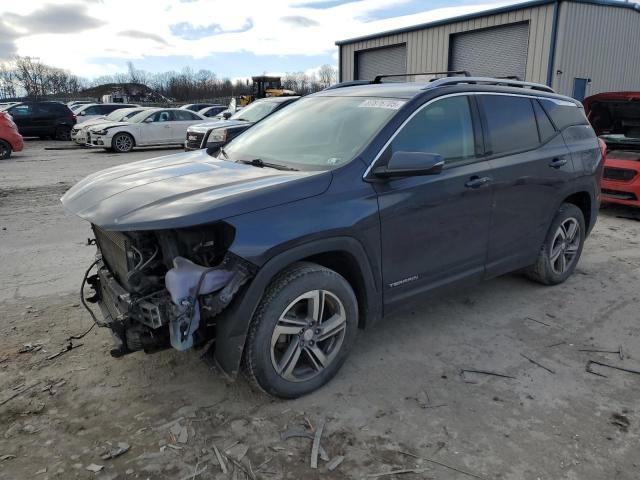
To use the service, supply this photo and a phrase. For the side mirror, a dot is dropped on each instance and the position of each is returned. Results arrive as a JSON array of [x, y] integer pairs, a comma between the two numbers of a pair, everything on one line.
[[411, 164], [148, 120], [226, 115], [82, 113]]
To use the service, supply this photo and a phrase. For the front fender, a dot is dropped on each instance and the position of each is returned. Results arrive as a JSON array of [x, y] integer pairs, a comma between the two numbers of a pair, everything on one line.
[[233, 323]]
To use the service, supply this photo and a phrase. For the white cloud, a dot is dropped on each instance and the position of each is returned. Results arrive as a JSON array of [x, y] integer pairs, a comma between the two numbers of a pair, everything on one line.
[[304, 31]]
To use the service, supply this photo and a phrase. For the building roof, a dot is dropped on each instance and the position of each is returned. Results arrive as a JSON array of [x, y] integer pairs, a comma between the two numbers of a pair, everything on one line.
[[485, 13]]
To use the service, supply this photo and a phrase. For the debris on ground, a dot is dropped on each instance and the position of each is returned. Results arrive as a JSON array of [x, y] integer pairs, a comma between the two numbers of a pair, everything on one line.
[[590, 363], [70, 346], [92, 467], [621, 421], [335, 463], [618, 352], [221, 462], [464, 371], [537, 363], [120, 449], [30, 348], [316, 443]]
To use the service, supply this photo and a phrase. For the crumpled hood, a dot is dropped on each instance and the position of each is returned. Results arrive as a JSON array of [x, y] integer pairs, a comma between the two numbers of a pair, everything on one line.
[[91, 122], [184, 189], [109, 125], [205, 127]]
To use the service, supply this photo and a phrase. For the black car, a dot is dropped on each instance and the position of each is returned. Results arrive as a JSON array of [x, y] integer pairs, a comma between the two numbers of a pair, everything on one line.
[[328, 215], [213, 135], [43, 119], [212, 111], [196, 107]]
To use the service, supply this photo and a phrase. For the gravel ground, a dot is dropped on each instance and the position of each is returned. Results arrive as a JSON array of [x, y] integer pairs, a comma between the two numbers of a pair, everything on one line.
[[398, 404]]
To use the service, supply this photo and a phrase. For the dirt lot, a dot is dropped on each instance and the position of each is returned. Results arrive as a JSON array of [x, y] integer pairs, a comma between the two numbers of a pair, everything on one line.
[[399, 403]]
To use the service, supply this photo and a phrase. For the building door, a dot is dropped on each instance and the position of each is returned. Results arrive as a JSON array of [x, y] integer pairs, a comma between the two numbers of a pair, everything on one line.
[[580, 88], [381, 61], [491, 52]]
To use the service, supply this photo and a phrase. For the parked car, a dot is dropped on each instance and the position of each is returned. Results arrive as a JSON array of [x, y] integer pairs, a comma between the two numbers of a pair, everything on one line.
[[154, 126], [80, 133], [212, 111], [195, 107], [92, 111], [213, 135], [5, 105], [347, 205], [43, 119], [10, 138], [616, 119], [78, 103]]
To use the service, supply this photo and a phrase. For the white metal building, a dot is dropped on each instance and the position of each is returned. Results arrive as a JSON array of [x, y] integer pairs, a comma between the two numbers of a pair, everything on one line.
[[578, 47]]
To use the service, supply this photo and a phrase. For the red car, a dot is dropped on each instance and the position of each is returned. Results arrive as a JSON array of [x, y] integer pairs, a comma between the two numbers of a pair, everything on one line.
[[616, 119], [10, 139]]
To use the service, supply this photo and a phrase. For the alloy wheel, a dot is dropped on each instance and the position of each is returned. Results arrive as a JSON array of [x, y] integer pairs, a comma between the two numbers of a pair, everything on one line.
[[565, 246], [308, 335], [123, 143]]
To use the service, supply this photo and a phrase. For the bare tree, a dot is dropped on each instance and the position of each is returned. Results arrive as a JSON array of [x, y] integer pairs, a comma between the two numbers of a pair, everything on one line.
[[327, 75]]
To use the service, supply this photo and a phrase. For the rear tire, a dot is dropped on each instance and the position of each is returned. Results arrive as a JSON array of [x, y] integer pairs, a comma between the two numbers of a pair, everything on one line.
[[5, 150], [302, 331], [122, 142], [63, 133], [562, 247]]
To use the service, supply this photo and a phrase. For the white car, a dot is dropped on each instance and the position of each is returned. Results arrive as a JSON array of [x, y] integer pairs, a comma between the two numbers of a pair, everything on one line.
[[80, 131], [90, 111], [151, 127]]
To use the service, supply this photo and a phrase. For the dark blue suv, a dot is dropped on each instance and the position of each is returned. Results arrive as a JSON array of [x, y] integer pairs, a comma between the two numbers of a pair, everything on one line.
[[334, 212]]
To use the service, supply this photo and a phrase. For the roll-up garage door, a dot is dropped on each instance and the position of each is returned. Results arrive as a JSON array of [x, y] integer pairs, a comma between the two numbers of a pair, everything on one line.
[[492, 52], [381, 61]]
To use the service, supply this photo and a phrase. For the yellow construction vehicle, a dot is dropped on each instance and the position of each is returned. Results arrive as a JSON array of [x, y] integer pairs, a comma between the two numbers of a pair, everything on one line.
[[264, 86]]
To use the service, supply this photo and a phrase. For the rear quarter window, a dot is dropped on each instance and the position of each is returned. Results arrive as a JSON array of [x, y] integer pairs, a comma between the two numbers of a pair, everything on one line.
[[564, 113]]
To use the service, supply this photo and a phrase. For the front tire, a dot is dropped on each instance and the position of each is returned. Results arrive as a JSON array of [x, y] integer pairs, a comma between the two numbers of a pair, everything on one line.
[[302, 331], [5, 150], [122, 143], [562, 247]]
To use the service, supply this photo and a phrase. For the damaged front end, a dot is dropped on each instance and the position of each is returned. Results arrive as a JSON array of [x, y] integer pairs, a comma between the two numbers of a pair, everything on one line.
[[161, 289]]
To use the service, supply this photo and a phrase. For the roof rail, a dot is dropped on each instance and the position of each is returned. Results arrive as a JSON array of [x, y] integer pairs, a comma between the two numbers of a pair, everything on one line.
[[379, 78], [351, 83], [490, 81]]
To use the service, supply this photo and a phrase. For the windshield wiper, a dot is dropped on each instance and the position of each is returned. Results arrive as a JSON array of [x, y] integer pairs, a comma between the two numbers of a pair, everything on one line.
[[256, 162]]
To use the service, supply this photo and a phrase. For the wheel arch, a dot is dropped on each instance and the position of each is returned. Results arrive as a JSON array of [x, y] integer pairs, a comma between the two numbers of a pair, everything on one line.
[[135, 142], [582, 199], [345, 255]]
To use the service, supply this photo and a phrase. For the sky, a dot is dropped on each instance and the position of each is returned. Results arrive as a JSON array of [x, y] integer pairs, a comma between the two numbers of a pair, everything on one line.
[[233, 38]]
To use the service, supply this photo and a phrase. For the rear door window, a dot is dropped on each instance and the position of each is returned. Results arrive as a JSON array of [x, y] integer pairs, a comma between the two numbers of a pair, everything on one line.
[[444, 127], [185, 115], [511, 123]]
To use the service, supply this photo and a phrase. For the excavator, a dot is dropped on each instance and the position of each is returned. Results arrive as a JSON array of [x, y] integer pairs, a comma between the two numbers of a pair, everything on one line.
[[264, 86]]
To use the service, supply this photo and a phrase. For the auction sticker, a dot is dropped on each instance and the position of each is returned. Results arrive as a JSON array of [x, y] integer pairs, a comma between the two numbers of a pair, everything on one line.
[[382, 103]]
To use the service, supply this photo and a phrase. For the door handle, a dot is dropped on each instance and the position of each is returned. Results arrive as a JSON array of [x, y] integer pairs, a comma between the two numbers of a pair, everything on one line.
[[477, 182], [558, 162]]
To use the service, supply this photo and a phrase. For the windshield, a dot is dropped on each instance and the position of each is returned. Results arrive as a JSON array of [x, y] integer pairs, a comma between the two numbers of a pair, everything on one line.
[[254, 112], [314, 133], [616, 119]]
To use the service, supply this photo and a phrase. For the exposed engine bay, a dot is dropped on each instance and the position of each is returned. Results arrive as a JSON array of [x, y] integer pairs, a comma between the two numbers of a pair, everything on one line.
[[161, 289]]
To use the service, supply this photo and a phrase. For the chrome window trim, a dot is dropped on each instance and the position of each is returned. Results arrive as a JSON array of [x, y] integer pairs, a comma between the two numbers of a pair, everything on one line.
[[430, 102]]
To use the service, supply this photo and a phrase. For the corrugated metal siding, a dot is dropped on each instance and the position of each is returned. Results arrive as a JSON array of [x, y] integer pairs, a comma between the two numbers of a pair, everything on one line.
[[600, 43], [428, 49]]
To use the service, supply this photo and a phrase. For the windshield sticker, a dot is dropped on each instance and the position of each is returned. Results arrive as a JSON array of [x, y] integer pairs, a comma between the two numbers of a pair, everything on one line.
[[382, 103]]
